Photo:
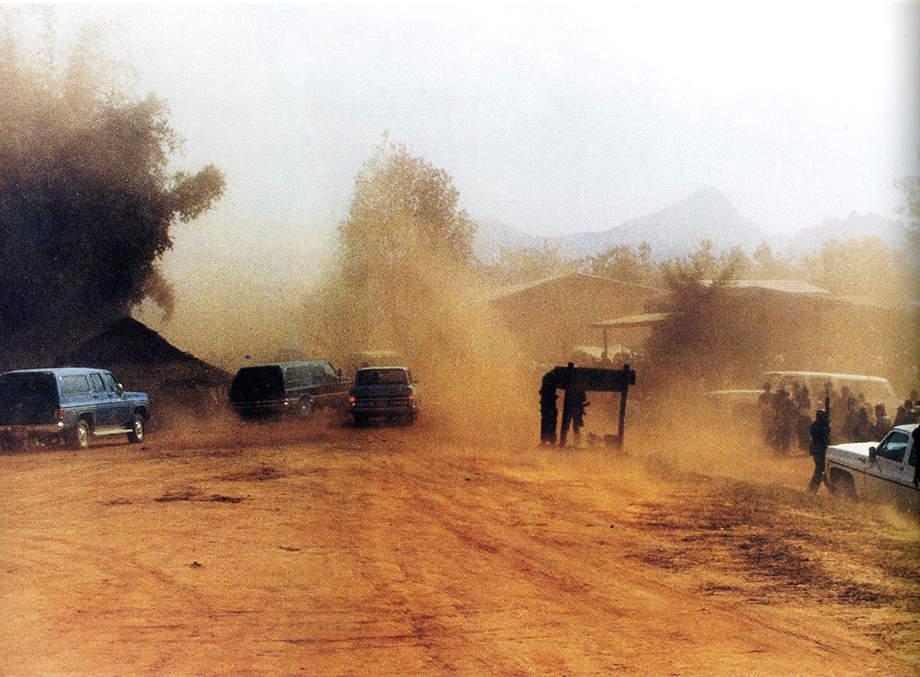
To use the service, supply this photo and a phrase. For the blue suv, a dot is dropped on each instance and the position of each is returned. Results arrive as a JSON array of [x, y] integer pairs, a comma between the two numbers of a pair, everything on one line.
[[69, 405]]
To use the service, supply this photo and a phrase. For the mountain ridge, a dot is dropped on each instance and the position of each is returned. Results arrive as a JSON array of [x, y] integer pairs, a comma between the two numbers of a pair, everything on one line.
[[678, 229]]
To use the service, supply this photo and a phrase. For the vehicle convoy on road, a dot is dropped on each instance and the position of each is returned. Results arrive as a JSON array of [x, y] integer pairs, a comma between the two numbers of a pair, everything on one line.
[[383, 392], [288, 389], [69, 405], [876, 470]]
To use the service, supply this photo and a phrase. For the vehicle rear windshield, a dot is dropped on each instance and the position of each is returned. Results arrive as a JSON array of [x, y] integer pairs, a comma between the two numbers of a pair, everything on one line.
[[366, 377], [26, 389], [257, 383]]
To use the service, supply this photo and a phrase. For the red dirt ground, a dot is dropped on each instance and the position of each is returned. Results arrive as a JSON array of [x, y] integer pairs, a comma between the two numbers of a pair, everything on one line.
[[317, 549]]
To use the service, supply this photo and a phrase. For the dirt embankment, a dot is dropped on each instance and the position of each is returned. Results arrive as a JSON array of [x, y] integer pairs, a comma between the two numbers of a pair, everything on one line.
[[317, 549]]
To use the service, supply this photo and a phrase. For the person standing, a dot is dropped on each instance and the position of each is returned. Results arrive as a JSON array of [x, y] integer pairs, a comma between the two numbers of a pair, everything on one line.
[[820, 439], [915, 441], [578, 414], [548, 411], [568, 403]]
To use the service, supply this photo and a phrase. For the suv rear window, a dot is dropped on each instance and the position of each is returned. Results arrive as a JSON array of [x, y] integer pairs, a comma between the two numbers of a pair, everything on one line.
[[256, 383], [366, 377], [18, 387]]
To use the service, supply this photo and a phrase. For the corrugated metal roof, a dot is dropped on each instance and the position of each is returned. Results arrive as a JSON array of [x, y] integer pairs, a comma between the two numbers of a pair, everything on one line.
[[512, 290], [783, 286], [632, 321]]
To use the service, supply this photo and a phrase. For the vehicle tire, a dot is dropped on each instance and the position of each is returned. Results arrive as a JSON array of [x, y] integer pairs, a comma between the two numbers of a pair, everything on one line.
[[360, 420], [79, 438], [841, 484], [306, 407], [138, 429]]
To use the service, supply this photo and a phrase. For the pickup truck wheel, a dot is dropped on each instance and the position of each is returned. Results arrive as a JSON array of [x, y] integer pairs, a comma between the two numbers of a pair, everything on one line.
[[841, 483], [306, 407], [138, 429], [80, 437]]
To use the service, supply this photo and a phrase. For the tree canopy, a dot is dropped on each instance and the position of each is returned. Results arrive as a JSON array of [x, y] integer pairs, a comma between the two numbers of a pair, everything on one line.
[[86, 196], [404, 206]]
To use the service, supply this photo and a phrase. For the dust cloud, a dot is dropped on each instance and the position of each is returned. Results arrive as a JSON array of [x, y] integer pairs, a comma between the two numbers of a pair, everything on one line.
[[429, 314]]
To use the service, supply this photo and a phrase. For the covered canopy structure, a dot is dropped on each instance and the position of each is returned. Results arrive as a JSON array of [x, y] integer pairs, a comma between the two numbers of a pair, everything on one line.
[[627, 322]]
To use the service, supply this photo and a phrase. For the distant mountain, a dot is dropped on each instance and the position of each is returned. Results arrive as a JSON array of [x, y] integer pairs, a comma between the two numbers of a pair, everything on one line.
[[853, 227], [673, 231], [492, 237], [677, 230]]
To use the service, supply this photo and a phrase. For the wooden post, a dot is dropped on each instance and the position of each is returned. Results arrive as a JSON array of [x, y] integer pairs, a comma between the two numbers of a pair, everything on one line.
[[622, 425]]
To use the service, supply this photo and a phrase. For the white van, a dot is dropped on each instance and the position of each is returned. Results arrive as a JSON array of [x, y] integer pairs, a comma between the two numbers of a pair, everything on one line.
[[875, 390]]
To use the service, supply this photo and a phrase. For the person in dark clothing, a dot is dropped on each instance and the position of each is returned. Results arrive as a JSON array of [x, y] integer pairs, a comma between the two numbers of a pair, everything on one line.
[[568, 403], [783, 421], [765, 407], [820, 439], [864, 431], [882, 422], [548, 411], [915, 441], [803, 399], [904, 413], [578, 404]]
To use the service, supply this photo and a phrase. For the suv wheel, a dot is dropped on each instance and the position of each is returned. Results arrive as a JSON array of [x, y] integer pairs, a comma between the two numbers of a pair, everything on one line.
[[138, 430], [80, 435]]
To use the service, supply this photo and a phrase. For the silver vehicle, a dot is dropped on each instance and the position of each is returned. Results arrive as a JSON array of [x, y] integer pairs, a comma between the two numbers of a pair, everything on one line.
[[882, 471]]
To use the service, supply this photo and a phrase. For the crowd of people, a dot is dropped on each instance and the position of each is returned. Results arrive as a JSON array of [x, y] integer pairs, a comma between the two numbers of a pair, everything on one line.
[[786, 416]]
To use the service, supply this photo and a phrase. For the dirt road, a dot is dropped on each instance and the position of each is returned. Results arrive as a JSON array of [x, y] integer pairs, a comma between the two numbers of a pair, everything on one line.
[[324, 550]]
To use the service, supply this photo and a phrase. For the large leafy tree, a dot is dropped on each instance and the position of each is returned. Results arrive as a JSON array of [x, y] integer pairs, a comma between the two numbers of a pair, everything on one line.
[[86, 198], [621, 262], [699, 331], [403, 206]]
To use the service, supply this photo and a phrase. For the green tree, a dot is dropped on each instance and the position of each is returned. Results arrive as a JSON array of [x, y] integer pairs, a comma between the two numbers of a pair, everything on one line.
[[767, 265], [403, 206], [692, 345], [86, 198], [526, 264], [866, 267], [623, 263]]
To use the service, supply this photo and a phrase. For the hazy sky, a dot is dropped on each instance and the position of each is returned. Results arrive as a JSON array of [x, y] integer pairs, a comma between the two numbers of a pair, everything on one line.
[[552, 118]]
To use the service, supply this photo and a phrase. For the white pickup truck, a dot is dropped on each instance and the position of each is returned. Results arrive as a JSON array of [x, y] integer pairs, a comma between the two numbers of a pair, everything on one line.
[[876, 470]]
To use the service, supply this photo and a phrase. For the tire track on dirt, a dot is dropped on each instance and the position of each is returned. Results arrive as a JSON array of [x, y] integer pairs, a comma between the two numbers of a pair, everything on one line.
[[590, 577]]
